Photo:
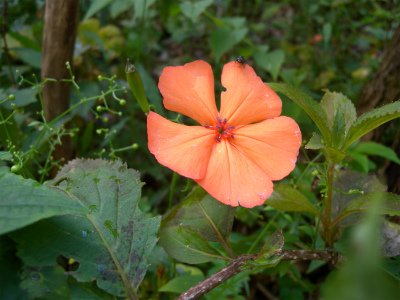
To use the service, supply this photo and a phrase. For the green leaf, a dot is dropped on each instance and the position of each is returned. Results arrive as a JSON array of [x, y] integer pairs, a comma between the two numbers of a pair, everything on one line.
[[111, 241], [25, 41], [370, 120], [286, 197], [88, 291], [333, 102], [50, 283], [181, 284], [95, 7], [271, 61], [373, 148], [203, 214], [23, 97], [224, 38], [194, 9], [390, 205], [25, 201], [333, 155], [5, 155], [29, 56], [311, 107], [338, 132], [273, 244], [186, 245]]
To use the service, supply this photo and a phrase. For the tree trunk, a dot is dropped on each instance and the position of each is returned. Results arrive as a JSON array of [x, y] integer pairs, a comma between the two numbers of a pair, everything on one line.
[[60, 24], [382, 89]]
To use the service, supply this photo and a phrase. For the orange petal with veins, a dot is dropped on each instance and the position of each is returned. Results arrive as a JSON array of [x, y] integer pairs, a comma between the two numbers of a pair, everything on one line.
[[247, 98], [184, 149], [272, 145], [189, 90], [233, 179]]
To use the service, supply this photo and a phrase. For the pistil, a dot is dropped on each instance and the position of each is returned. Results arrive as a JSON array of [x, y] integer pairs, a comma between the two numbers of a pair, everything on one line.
[[222, 130]]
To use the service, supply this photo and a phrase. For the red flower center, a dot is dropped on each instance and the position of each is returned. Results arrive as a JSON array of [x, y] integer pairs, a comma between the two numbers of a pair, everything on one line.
[[222, 130]]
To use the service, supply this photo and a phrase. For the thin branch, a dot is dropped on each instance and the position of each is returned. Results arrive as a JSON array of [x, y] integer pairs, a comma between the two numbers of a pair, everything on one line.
[[235, 267]]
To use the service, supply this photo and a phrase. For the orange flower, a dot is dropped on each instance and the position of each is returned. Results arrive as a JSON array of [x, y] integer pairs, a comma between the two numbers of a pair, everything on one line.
[[236, 153]]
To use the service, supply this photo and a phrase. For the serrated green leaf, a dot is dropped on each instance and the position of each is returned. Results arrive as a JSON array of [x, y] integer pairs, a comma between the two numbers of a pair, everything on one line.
[[181, 284], [25, 201], [370, 120], [286, 197], [273, 244], [186, 245], [330, 103], [311, 107], [111, 242], [372, 148], [194, 9], [203, 214], [390, 205]]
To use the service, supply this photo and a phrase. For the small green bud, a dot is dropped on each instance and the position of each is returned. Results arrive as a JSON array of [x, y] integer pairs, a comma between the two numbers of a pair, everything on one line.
[[11, 97], [100, 78], [105, 120], [99, 108], [135, 146], [120, 113], [98, 131], [136, 84], [122, 102], [71, 134], [15, 169]]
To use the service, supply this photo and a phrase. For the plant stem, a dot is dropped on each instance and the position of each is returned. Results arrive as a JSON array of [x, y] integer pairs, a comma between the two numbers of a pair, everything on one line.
[[328, 207], [171, 192], [263, 232]]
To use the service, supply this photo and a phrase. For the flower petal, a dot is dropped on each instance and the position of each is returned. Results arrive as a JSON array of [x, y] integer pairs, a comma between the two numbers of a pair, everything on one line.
[[247, 98], [184, 149], [233, 179], [189, 90], [272, 145]]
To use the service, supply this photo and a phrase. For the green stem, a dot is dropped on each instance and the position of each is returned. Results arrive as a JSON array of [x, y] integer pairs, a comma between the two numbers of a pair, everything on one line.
[[263, 232], [328, 207], [171, 192]]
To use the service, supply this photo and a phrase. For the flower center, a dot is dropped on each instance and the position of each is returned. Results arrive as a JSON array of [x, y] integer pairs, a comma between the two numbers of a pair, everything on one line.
[[222, 130]]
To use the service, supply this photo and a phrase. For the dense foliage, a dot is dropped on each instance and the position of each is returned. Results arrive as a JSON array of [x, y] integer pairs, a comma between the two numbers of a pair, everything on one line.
[[99, 229]]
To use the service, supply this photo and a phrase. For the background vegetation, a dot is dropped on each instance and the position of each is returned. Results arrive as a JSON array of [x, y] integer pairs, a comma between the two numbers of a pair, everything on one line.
[[335, 45]]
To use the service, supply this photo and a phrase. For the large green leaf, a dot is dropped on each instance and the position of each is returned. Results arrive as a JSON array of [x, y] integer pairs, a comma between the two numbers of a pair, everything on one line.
[[199, 218], [111, 242], [210, 218], [24, 201], [370, 120], [186, 245], [286, 197], [224, 38], [311, 107]]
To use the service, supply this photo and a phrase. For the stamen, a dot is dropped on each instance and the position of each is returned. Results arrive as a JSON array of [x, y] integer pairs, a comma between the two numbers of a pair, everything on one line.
[[225, 120], [232, 136], [230, 127], [207, 126], [218, 127], [218, 138], [219, 120]]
